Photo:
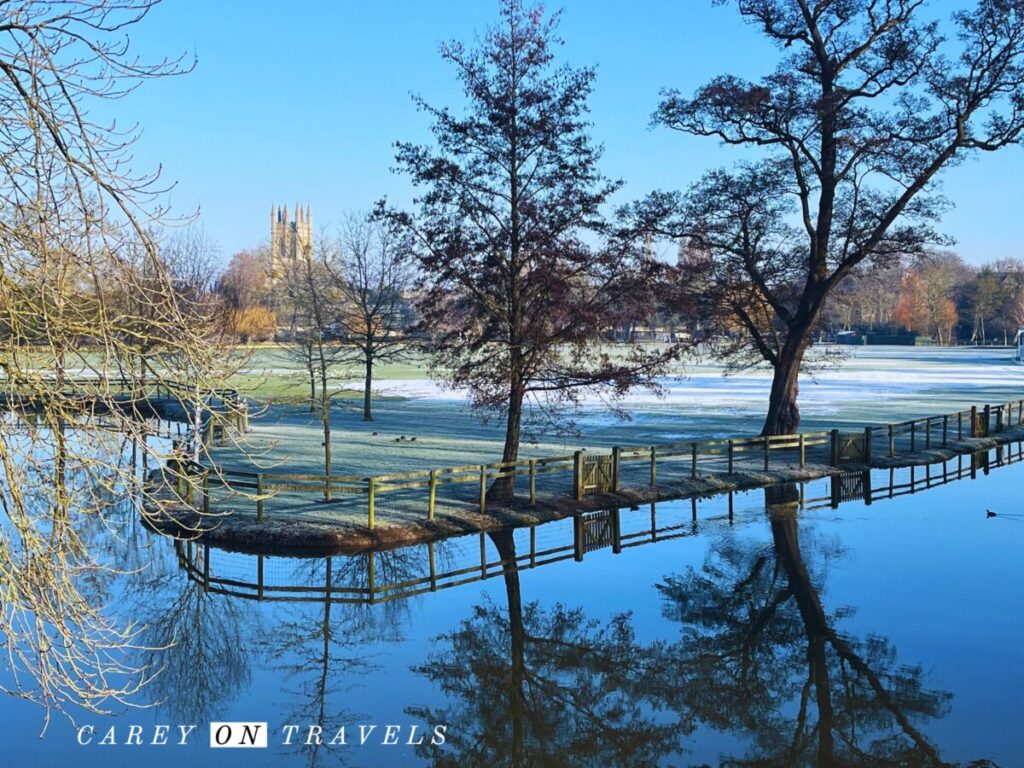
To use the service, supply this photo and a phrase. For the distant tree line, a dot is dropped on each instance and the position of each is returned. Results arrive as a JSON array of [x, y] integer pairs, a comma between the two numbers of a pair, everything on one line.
[[937, 296]]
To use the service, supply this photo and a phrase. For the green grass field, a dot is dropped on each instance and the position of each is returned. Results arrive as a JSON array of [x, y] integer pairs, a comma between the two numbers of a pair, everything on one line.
[[873, 385]]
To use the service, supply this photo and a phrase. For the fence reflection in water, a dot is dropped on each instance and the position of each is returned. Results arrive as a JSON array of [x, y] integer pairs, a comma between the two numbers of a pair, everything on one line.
[[465, 490], [377, 577]]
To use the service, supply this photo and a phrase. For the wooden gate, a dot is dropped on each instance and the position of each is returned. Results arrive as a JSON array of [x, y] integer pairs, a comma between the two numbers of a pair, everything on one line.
[[852, 448], [851, 486], [598, 530], [597, 474]]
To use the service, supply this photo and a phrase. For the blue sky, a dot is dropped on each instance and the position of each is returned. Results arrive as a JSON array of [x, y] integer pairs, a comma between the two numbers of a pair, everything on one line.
[[302, 101]]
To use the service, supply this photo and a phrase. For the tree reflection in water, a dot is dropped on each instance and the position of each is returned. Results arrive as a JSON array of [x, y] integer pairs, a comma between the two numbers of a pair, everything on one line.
[[758, 656], [543, 686], [200, 647], [322, 647]]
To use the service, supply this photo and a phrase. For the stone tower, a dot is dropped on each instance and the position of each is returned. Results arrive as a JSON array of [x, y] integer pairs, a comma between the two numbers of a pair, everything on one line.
[[289, 240]]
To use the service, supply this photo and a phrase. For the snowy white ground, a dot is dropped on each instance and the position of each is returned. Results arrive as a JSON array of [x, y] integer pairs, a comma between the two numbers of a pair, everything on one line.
[[872, 385]]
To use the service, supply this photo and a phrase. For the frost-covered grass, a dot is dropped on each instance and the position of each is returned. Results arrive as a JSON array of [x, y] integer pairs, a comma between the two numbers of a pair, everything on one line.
[[872, 385]]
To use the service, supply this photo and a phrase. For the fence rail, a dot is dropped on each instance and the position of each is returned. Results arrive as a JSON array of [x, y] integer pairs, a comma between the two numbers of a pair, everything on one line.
[[472, 488], [376, 577]]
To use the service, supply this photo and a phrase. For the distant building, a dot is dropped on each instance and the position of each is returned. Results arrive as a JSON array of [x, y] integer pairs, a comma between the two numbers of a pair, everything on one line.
[[289, 239]]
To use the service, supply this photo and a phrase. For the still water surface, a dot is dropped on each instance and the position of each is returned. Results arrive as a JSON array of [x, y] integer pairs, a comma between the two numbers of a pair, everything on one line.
[[881, 634]]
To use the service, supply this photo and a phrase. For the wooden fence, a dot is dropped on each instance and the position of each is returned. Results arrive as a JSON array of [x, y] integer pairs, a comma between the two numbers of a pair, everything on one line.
[[376, 577], [472, 488]]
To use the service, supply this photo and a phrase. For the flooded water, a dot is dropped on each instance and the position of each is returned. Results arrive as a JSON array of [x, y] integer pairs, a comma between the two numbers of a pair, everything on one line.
[[782, 627]]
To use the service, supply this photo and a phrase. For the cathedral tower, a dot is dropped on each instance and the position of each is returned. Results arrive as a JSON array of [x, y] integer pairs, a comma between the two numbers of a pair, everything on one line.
[[289, 240]]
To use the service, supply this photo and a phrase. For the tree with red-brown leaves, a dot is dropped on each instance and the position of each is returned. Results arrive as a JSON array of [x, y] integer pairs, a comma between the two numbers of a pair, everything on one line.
[[509, 235]]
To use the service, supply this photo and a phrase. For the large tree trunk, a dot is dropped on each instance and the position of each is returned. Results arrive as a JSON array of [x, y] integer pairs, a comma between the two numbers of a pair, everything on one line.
[[505, 544], [504, 487], [821, 636], [367, 384], [785, 536], [783, 416]]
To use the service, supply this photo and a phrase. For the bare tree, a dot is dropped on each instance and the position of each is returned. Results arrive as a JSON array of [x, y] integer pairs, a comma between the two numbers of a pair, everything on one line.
[[372, 274], [86, 296], [1015, 309], [853, 128], [244, 290], [315, 300]]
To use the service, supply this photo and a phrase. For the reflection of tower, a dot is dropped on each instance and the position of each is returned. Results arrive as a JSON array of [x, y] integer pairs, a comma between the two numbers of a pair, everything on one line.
[[288, 239]]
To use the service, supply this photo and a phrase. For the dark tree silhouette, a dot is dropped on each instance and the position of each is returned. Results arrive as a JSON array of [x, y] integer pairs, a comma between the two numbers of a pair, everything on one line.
[[513, 292], [853, 127], [197, 646], [323, 648], [534, 686], [760, 655]]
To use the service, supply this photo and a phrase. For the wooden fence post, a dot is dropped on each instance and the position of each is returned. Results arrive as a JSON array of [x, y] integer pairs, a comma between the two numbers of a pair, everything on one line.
[[206, 568], [432, 494], [616, 464], [533, 481], [483, 488], [693, 462], [206, 492], [259, 577], [945, 431], [259, 498], [867, 445], [433, 566], [654, 467], [766, 449], [834, 448], [959, 426], [892, 443], [371, 575], [577, 474], [928, 433], [986, 419], [913, 436], [974, 421], [803, 450], [730, 456], [371, 498]]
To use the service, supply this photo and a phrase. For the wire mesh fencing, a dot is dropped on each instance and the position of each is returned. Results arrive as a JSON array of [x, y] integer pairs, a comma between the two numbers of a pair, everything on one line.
[[464, 491]]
